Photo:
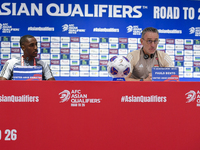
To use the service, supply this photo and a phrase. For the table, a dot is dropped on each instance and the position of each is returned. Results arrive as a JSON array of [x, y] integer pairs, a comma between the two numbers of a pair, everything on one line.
[[99, 115]]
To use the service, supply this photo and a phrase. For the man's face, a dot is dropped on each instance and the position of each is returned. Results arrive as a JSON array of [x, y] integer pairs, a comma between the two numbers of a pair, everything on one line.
[[30, 48], [149, 42]]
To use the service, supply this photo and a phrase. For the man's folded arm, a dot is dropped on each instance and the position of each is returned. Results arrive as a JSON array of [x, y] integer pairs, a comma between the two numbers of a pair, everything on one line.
[[2, 78]]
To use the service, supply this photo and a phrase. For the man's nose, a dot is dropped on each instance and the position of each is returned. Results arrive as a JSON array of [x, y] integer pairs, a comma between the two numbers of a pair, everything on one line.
[[35, 47]]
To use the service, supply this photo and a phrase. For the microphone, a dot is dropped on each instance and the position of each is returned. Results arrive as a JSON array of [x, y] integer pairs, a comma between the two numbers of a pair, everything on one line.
[[157, 61]]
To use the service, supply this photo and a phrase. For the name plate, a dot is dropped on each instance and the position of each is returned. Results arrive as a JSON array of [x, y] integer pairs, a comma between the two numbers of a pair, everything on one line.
[[118, 79], [167, 74], [29, 73]]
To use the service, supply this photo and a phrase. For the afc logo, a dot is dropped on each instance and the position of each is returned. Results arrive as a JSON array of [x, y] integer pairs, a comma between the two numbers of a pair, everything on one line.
[[191, 96], [64, 96]]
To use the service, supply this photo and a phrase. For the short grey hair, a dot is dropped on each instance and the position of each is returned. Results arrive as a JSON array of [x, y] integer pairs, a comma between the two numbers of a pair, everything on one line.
[[149, 29]]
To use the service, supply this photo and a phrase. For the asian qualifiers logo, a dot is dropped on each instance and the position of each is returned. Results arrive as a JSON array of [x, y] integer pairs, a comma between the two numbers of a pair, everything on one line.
[[7, 28], [195, 31], [77, 98], [192, 30], [71, 29], [65, 27], [191, 96], [134, 29], [64, 96]]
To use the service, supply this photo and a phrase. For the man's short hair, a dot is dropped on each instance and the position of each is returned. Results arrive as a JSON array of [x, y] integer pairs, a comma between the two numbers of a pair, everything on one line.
[[149, 29], [24, 38]]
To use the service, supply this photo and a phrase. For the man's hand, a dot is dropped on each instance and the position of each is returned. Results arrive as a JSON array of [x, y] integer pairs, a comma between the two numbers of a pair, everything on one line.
[[149, 78]]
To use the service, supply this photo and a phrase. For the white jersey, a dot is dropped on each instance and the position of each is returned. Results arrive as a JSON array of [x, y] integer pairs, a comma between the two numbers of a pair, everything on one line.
[[7, 71]]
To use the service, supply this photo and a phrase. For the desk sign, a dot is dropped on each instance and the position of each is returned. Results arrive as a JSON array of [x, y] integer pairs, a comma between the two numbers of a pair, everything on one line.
[[27, 73], [167, 74], [118, 79]]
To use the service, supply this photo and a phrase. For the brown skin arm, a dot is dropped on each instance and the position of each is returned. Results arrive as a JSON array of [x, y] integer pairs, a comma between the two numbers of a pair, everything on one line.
[[2, 78], [51, 78]]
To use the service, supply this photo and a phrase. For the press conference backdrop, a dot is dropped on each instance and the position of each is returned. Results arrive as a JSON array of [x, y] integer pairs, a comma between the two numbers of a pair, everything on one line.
[[77, 38]]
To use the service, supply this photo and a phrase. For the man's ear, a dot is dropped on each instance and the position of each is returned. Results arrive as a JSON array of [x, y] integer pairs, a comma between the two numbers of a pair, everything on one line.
[[141, 41], [22, 47]]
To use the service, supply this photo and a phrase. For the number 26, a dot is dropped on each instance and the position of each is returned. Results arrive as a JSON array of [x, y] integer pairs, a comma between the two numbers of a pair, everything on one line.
[[10, 135]]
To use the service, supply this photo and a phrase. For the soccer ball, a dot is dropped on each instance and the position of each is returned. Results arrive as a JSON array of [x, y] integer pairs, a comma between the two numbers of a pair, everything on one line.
[[118, 67]]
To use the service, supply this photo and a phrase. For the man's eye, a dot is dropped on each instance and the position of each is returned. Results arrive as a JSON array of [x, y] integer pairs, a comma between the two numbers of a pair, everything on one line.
[[32, 45]]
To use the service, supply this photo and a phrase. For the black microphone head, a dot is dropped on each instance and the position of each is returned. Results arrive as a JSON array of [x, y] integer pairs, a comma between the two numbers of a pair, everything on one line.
[[152, 55], [146, 56]]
